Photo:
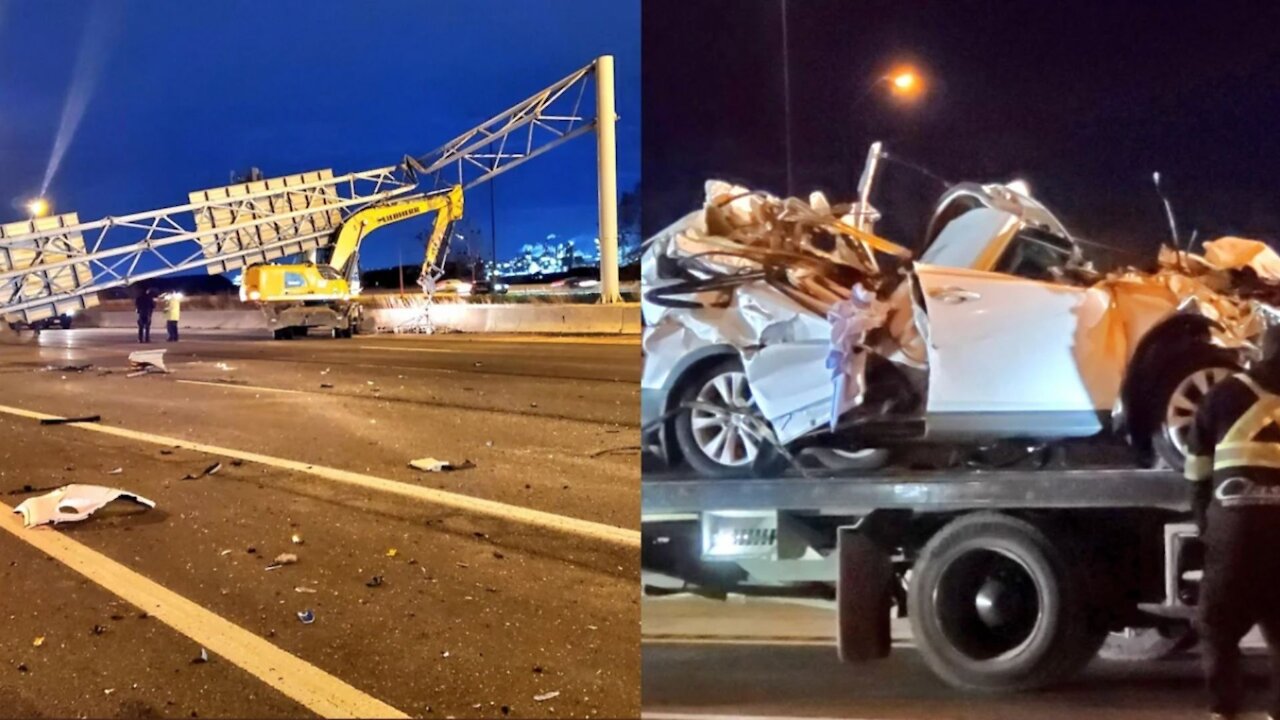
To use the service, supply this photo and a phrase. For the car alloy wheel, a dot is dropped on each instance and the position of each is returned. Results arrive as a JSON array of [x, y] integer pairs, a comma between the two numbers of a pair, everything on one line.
[[1186, 397], [726, 436]]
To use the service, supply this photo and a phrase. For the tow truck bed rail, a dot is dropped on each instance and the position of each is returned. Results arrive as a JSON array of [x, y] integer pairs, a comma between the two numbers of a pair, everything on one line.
[[934, 491]]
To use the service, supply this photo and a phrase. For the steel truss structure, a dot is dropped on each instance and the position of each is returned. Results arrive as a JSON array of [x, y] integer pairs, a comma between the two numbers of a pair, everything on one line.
[[50, 265]]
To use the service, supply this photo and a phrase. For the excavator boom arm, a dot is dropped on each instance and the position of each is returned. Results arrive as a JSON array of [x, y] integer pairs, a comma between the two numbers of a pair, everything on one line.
[[447, 206]]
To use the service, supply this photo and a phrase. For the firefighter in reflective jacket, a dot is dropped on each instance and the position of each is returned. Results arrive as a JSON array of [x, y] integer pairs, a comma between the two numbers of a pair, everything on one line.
[[1233, 460]]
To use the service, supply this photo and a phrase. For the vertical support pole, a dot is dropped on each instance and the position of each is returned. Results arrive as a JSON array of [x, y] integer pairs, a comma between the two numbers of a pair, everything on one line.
[[607, 171]]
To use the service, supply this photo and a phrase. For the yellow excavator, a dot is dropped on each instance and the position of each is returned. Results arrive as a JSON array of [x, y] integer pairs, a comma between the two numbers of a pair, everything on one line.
[[323, 295]]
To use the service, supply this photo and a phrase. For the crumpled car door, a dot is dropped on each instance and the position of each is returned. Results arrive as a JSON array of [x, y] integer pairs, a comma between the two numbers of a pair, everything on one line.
[[1013, 356]]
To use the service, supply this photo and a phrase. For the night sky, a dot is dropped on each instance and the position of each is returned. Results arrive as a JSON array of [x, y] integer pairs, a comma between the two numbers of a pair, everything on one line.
[[180, 94], [1083, 99]]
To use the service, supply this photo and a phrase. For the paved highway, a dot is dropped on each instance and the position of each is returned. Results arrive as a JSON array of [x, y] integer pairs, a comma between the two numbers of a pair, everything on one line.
[[757, 658], [505, 589]]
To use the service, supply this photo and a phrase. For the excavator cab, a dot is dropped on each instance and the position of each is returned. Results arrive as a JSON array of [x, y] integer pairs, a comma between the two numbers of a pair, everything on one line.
[[322, 294]]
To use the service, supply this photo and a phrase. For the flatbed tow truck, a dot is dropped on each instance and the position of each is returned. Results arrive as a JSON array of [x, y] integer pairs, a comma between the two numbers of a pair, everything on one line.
[[1012, 579]]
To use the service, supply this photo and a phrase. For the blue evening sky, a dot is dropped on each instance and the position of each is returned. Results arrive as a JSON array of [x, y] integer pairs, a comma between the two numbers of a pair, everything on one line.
[[177, 95]]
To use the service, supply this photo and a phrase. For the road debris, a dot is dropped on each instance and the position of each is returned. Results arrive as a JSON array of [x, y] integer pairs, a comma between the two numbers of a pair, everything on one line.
[[69, 368], [283, 559], [202, 658], [224, 367], [304, 589], [547, 696], [72, 503], [392, 552], [296, 539], [326, 386], [211, 470], [66, 420], [616, 450], [374, 581], [115, 471], [38, 641], [306, 617], [145, 362], [430, 464], [99, 629], [225, 553]]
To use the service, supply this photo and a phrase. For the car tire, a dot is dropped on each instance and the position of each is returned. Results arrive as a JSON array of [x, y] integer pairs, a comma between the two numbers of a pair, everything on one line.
[[64, 322], [996, 606], [708, 383], [1176, 396]]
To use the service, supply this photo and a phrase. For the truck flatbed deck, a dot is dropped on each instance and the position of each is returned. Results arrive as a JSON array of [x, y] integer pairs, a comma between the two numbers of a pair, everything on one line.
[[932, 491]]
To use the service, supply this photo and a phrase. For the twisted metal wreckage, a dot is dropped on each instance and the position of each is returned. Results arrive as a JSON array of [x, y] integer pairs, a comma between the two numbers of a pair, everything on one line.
[[809, 295]]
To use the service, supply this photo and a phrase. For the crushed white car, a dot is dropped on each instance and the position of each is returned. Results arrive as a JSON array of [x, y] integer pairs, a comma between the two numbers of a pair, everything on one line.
[[773, 322]]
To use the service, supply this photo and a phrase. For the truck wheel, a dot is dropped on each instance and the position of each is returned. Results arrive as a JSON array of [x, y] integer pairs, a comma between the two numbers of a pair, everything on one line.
[[285, 333], [1178, 396], [1146, 644], [995, 607], [719, 444]]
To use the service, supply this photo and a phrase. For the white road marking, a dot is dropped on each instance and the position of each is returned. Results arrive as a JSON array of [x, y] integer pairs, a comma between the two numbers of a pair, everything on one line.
[[322, 693], [491, 508], [743, 640], [409, 349], [659, 715], [236, 386]]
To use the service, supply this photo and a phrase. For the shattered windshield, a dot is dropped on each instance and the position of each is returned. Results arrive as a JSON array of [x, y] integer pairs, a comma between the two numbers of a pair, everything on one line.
[[1033, 254]]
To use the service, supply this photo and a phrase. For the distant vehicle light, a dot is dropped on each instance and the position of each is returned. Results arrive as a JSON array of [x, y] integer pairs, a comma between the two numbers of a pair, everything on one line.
[[589, 283], [464, 288], [255, 295]]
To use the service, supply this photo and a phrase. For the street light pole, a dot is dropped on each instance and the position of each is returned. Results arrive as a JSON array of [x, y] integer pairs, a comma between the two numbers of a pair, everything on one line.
[[786, 98]]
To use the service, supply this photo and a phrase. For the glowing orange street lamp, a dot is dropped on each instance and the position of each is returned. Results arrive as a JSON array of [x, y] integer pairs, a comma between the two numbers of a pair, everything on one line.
[[38, 207], [905, 82]]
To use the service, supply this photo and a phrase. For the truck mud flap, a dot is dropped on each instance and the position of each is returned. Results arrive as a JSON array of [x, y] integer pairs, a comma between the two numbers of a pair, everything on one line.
[[864, 592]]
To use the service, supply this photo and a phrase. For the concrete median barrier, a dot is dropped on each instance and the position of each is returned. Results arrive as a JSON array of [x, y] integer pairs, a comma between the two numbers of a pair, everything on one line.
[[535, 318]]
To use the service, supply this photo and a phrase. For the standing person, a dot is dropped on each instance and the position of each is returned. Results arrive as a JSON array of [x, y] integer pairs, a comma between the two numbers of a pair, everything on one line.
[[145, 304], [1234, 462], [172, 313]]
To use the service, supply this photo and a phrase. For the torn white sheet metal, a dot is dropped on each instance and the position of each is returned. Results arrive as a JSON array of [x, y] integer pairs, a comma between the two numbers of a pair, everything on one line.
[[149, 360], [792, 387], [72, 503], [851, 320]]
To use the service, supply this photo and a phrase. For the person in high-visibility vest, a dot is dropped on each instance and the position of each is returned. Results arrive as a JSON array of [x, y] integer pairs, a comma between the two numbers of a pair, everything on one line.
[[1233, 461], [173, 313]]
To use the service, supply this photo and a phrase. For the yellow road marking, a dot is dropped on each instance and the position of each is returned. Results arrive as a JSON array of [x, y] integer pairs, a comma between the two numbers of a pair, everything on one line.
[[466, 503], [298, 679], [235, 386]]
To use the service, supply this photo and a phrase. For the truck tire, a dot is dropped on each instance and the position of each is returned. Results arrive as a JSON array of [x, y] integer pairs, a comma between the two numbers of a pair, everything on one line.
[[740, 453], [995, 606], [1176, 397]]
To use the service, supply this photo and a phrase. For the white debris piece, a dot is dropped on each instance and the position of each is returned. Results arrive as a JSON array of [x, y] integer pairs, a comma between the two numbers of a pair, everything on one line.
[[147, 361], [430, 464], [72, 503]]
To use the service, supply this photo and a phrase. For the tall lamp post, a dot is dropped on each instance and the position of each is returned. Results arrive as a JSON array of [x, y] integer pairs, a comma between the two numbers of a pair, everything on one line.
[[904, 83]]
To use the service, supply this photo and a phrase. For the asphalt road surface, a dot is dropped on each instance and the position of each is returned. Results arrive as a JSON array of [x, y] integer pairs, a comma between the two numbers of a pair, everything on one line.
[[510, 591], [705, 659]]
